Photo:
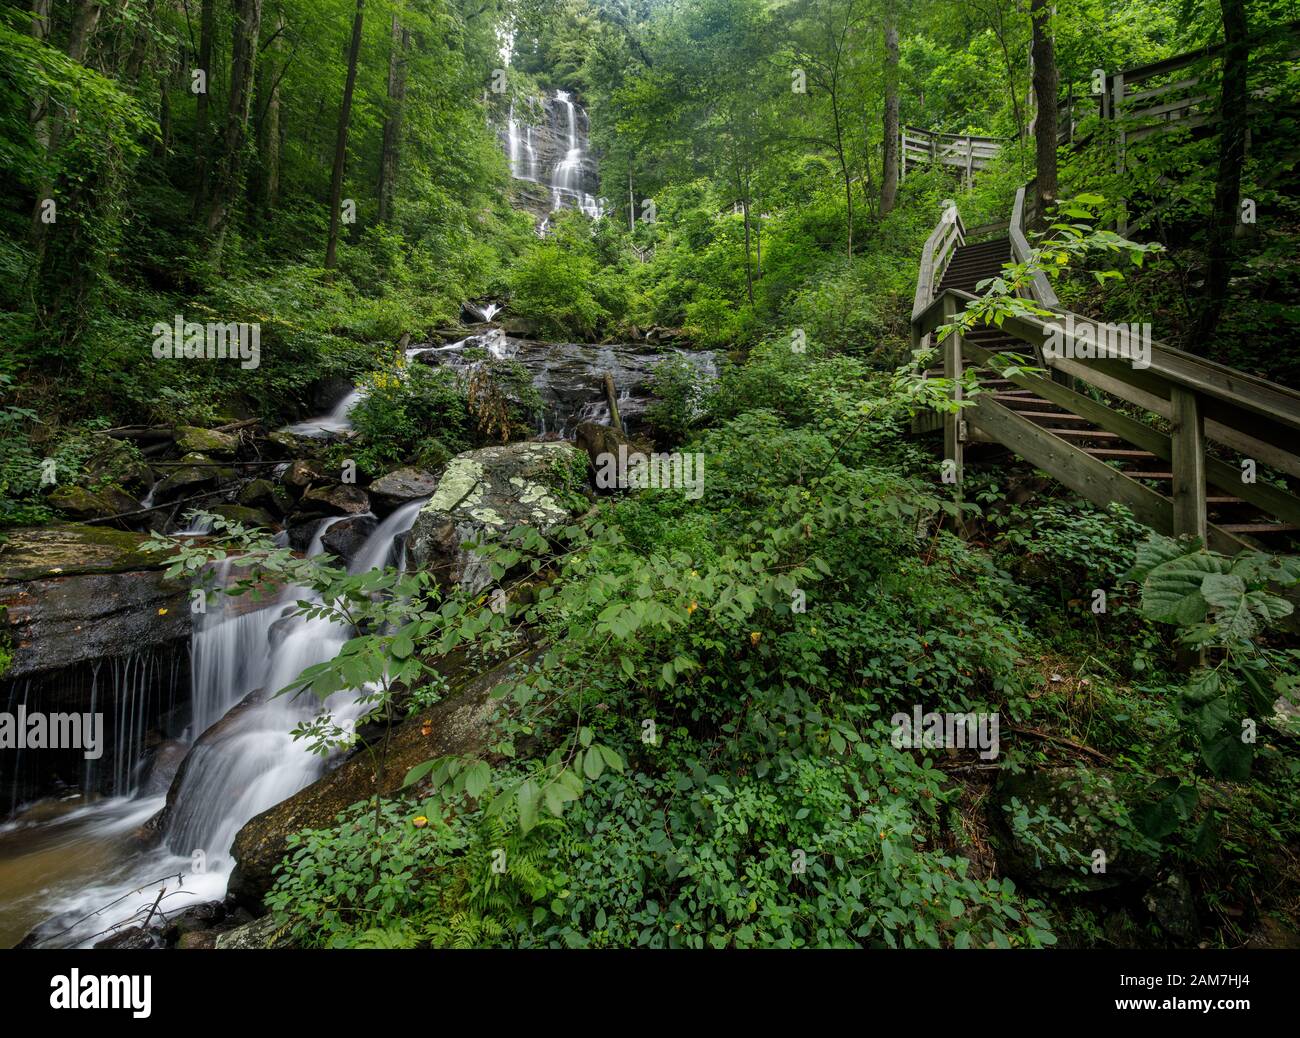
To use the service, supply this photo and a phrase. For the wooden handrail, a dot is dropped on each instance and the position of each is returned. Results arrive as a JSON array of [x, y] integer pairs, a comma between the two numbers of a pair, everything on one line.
[[934, 255], [1040, 287]]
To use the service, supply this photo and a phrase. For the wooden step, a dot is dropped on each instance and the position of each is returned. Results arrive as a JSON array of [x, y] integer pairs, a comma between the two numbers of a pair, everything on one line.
[[1086, 434], [1258, 528], [1060, 416], [1116, 452]]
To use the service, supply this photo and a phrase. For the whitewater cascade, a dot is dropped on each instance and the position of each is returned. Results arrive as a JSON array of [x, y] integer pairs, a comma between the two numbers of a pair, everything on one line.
[[242, 758], [551, 150]]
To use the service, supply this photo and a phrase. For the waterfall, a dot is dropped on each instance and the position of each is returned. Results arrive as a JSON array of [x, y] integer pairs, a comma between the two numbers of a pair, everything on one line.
[[337, 421], [556, 156], [244, 761]]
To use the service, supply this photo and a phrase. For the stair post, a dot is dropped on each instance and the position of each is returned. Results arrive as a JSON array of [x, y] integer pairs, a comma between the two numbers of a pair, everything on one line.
[[1187, 433], [952, 421], [1187, 440]]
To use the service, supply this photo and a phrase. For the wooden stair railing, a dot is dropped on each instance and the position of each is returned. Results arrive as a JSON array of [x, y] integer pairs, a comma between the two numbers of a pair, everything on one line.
[[1093, 447]]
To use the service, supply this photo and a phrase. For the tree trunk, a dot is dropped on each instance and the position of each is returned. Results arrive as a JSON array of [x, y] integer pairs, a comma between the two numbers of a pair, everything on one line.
[[268, 132], [393, 121], [341, 144], [229, 172], [202, 117], [1232, 156], [889, 175], [1046, 85]]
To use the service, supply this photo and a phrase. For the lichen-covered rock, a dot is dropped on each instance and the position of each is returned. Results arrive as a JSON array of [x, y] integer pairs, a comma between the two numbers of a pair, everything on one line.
[[492, 491], [400, 486], [205, 441], [259, 934]]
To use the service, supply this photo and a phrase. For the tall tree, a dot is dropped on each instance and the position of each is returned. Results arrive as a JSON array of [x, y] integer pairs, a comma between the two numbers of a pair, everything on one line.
[[892, 153], [202, 111], [341, 143], [1233, 101], [398, 44], [1046, 86], [228, 176]]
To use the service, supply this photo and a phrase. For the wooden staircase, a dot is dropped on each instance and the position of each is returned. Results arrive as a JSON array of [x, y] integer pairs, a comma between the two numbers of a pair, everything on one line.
[[1169, 480]]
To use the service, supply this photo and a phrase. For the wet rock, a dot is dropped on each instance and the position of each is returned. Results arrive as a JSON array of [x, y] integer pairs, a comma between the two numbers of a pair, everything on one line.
[[302, 532], [457, 725], [492, 491], [346, 537], [340, 499], [163, 766], [208, 751], [263, 493], [400, 486], [186, 480], [74, 593], [81, 503], [303, 474], [132, 938], [202, 939], [205, 441], [259, 934], [571, 376], [195, 919]]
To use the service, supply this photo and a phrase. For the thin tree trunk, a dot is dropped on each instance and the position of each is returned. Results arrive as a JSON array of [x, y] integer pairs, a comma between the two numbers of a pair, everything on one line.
[[202, 115], [228, 176], [341, 144], [393, 122], [1232, 156], [268, 137], [889, 174], [1046, 85]]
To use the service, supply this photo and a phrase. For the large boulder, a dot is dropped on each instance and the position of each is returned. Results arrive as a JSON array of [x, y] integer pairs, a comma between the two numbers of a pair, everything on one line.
[[492, 491], [205, 441], [1087, 802], [263, 493], [345, 538], [457, 725], [392, 491], [81, 503], [74, 594], [340, 499]]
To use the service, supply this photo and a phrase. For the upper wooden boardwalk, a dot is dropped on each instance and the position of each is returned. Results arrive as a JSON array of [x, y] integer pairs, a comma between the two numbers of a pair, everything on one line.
[[1184, 443]]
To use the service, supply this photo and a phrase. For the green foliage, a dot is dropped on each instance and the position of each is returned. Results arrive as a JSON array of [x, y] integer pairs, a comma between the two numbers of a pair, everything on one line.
[[1223, 605]]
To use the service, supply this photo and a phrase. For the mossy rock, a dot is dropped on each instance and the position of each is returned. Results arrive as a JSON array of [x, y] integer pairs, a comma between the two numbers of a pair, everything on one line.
[[80, 503], [205, 441]]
